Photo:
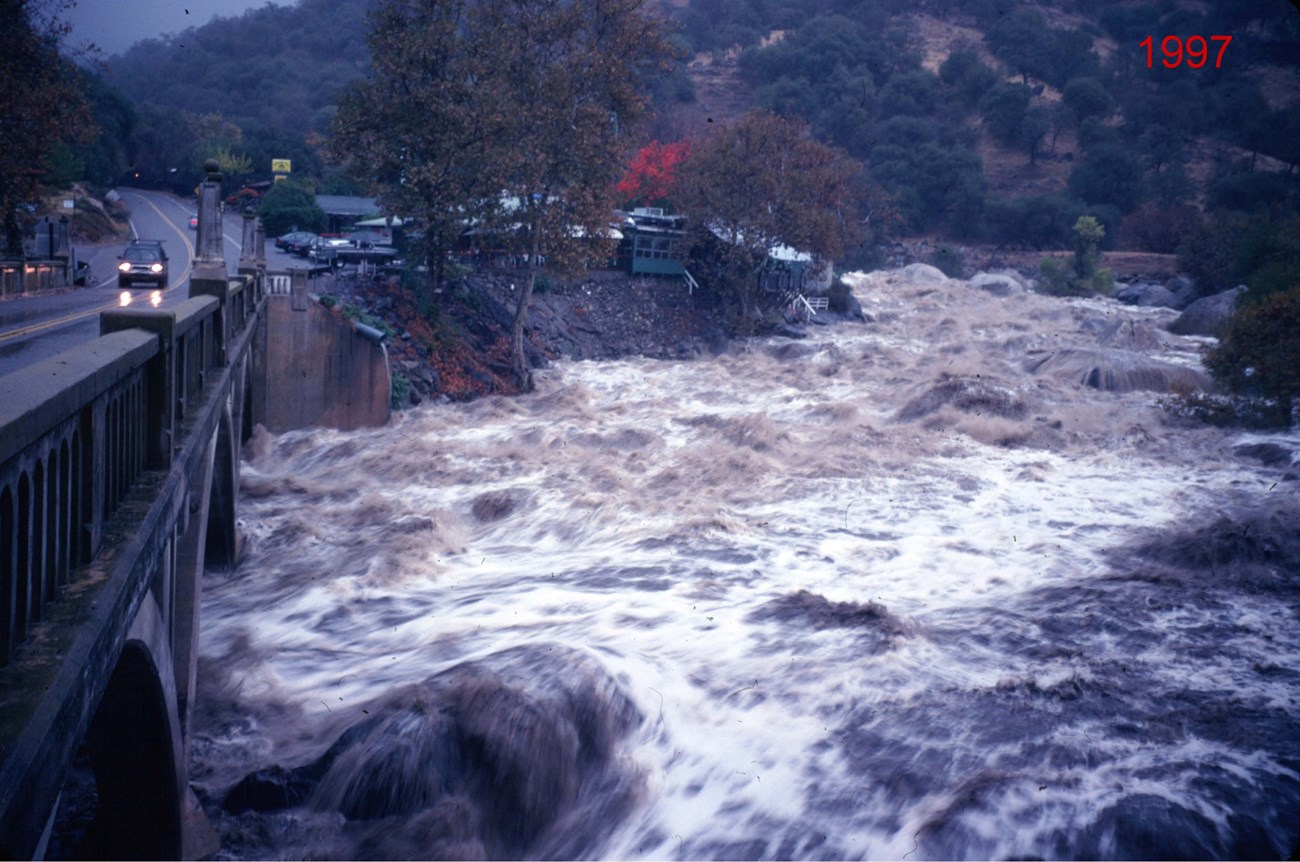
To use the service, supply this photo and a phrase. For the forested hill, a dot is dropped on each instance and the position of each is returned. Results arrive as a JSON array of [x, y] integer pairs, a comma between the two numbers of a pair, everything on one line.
[[1175, 123], [260, 85], [277, 66], [990, 121]]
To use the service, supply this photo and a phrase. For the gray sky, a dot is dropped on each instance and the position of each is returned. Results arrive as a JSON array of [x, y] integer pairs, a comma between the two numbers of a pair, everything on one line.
[[115, 25]]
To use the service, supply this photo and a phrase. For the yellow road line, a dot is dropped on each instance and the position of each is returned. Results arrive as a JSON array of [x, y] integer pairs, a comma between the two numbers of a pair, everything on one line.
[[113, 303], [185, 240], [51, 324]]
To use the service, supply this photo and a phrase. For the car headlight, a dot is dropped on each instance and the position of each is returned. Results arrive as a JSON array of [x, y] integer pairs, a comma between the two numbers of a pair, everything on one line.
[[155, 298], [124, 298], [157, 267], [124, 266]]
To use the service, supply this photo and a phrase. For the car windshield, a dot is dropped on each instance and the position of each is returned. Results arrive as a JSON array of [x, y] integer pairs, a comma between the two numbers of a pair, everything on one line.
[[141, 255]]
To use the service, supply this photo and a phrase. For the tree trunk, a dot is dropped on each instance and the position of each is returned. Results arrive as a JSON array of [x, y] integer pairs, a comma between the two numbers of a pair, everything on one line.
[[524, 377], [439, 267], [13, 234]]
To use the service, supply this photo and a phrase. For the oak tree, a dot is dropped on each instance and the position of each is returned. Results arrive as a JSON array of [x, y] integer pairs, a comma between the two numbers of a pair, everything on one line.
[[761, 184], [504, 116], [568, 76], [417, 127], [40, 103]]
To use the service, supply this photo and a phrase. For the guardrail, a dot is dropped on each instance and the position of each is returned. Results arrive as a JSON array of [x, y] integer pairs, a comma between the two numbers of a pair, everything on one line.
[[19, 277]]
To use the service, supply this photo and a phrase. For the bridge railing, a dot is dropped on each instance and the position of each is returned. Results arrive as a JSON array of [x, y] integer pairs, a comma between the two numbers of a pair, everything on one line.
[[82, 427], [74, 442], [20, 277], [278, 283]]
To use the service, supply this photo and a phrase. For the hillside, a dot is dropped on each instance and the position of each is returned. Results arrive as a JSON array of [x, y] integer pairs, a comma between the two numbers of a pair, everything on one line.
[[276, 66], [987, 122]]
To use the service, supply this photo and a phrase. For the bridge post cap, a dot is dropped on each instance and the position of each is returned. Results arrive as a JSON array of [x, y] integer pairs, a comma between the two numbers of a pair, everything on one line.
[[249, 215], [213, 169]]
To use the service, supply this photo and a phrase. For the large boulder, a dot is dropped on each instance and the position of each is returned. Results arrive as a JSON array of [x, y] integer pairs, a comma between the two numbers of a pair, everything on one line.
[[1147, 294], [921, 273], [1183, 289], [998, 283], [1118, 371], [977, 395], [1207, 316]]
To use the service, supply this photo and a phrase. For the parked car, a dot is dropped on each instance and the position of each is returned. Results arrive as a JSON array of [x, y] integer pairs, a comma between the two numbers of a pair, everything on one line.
[[194, 222], [143, 260], [301, 244], [285, 241]]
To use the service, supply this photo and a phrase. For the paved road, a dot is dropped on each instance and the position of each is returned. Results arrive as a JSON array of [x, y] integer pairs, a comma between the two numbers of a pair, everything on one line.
[[36, 327]]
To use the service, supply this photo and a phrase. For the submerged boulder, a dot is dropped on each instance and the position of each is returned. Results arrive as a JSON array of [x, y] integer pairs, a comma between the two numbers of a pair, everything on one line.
[[978, 395], [1118, 371], [998, 283], [511, 755], [1130, 335]]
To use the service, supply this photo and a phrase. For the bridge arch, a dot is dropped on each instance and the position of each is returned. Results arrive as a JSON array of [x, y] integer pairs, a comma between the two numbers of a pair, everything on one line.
[[222, 545], [135, 749]]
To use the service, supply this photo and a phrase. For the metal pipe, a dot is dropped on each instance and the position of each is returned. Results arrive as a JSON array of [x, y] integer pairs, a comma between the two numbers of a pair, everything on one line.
[[369, 332]]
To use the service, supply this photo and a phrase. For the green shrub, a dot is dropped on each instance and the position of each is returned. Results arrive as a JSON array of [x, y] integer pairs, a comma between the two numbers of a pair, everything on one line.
[[1081, 276], [287, 206], [400, 392], [1259, 354]]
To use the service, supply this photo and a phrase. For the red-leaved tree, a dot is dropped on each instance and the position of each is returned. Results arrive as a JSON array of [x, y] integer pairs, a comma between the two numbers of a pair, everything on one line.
[[653, 172]]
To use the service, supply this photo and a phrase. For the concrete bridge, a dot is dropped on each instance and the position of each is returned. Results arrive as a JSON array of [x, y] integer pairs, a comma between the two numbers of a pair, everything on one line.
[[119, 473]]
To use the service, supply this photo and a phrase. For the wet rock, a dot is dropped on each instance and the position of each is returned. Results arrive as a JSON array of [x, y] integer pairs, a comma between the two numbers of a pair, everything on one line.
[[998, 284], [821, 613], [1268, 454], [1118, 371], [1183, 289], [788, 330], [717, 341], [403, 765], [1147, 295], [977, 395], [854, 311], [494, 506], [509, 756], [271, 789], [921, 273], [787, 351], [1130, 335], [841, 301], [1207, 316]]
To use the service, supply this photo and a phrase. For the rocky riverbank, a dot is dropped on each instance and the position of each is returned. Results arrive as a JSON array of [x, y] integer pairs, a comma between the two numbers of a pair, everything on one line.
[[455, 345]]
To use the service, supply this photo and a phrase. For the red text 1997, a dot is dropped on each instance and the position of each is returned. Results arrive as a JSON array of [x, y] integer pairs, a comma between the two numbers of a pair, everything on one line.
[[1196, 49]]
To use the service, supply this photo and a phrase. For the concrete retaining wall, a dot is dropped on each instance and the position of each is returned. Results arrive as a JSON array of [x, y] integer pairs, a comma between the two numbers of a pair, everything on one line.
[[320, 372]]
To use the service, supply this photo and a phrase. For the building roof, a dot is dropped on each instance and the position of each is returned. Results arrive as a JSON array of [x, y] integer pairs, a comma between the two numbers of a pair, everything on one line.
[[775, 252], [346, 205]]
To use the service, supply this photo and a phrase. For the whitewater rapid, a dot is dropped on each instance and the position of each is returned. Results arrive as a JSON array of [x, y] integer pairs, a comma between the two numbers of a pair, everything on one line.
[[881, 593]]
